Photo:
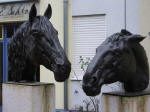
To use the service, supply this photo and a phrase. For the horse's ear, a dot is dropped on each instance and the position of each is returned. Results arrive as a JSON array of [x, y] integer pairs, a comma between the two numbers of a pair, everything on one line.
[[48, 12], [135, 38], [33, 13]]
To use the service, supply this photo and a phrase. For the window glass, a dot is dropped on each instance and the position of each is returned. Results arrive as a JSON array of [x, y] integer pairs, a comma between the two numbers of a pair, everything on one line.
[[9, 30], [1, 32]]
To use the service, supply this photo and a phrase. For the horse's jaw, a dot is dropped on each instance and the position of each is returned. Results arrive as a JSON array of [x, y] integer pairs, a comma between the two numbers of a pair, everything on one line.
[[93, 88], [61, 73]]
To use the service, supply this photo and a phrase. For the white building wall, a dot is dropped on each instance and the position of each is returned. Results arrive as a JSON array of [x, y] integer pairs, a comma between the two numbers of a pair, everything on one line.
[[114, 11], [133, 15]]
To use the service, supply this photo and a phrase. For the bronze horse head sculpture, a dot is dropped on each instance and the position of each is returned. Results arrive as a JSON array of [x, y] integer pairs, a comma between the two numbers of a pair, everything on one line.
[[36, 43], [119, 58]]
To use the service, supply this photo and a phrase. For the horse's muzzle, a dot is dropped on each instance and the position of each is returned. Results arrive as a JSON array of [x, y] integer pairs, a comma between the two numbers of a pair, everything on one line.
[[63, 73], [91, 91]]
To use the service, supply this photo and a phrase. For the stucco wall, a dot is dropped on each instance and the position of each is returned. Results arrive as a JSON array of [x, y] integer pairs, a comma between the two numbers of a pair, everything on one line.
[[144, 16], [145, 24], [57, 21], [133, 15]]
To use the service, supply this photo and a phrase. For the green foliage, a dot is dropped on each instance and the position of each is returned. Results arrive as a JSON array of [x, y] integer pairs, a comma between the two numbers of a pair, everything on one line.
[[84, 62]]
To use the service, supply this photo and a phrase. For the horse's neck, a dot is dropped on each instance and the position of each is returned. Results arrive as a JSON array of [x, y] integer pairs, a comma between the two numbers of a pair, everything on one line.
[[140, 79], [29, 72], [141, 59]]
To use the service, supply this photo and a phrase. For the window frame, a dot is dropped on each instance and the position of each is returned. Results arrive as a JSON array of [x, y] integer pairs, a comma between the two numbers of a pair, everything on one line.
[[2, 32]]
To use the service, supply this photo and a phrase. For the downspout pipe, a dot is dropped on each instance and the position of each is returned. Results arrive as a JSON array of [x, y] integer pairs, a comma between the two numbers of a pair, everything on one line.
[[125, 14], [66, 50]]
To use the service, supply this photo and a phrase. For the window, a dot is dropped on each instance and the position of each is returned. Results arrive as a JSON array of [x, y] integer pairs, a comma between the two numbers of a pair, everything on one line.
[[88, 33]]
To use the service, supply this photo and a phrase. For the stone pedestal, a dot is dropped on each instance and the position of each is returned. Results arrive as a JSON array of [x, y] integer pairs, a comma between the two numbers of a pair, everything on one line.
[[28, 97], [125, 102]]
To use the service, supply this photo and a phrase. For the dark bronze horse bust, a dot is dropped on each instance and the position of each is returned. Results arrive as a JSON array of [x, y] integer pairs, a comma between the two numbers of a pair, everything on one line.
[[36, 43], [119, 58]]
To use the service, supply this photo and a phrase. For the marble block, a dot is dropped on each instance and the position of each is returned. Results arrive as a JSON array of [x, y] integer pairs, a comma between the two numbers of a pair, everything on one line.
[[125, 102], [28, 97]]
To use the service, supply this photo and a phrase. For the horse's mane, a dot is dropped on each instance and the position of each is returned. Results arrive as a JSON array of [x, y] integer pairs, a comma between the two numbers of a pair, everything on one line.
[[19, 39], [18, 51], [141, 58]]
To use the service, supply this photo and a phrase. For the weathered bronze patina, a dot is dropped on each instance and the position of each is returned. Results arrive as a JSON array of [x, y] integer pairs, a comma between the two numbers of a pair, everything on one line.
[[36, 43], [119, 58]]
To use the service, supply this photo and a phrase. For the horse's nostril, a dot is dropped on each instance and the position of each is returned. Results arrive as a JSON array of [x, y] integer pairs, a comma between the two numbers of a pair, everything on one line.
[[61, 68], [86, 86]]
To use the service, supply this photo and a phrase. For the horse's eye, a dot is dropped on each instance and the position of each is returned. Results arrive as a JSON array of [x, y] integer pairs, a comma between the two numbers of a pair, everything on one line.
[[35, 33], [117, 52], [110, 65]]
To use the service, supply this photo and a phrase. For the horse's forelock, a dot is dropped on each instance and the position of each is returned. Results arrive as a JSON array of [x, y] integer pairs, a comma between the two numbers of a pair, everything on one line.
[[115, 37], [43, 23]]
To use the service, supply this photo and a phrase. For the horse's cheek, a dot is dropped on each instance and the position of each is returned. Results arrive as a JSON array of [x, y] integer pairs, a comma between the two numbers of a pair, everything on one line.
[[132, 63]]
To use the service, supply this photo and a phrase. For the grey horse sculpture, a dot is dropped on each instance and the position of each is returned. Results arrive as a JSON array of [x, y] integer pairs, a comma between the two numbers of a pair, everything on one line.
[[119, 58], [36, 43]]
